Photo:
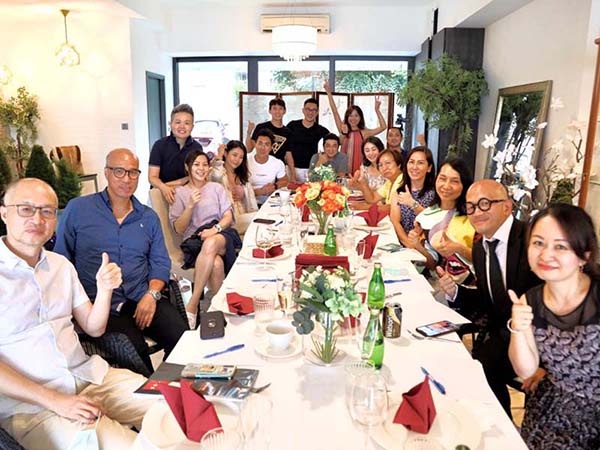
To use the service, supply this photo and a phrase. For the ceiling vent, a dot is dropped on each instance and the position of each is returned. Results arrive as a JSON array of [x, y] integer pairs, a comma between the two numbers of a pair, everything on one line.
[[318, 21]]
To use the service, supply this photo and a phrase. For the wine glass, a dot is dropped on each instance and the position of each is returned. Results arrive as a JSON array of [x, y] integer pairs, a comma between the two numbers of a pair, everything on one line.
[[264, 239], [220, 439], [369, 403], [255, 420]]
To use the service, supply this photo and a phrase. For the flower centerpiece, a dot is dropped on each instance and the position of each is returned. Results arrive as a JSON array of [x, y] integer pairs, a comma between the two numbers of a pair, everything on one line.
[[322, 198], [329, 296]]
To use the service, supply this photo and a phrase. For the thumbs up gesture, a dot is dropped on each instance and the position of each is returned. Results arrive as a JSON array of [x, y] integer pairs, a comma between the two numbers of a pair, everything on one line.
[[522, 314], [108, 276], [405, 197], [445, 247], [446, 282]]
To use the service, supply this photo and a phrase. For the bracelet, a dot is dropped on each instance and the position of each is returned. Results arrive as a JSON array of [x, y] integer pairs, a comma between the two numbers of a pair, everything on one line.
[[512, 330]]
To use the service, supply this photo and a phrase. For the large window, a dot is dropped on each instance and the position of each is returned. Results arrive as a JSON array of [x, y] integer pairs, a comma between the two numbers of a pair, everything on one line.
[[212, 85]]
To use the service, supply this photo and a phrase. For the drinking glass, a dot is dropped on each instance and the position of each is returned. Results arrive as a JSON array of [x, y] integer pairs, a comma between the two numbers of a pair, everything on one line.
[[302, 233], [353, 370], [360, 255], [286, 233], [369, 403], [220, 439], [285, 292], [255, 419], [264, 239]]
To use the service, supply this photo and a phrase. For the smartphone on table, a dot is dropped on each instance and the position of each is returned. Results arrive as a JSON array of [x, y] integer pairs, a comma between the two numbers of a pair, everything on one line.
[[437, 328], [264, 221]]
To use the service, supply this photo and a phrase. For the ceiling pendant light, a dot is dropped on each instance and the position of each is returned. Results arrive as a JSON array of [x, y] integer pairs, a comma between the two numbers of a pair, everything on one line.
[[66, 53], [294, 42]]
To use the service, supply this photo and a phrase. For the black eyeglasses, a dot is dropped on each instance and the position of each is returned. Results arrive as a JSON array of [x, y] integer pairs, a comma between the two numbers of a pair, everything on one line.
[[484, 204], [119, 172], [46, 212]]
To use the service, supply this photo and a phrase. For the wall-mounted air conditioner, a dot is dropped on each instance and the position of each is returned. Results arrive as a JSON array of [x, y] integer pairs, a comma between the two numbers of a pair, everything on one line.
[[318, 21]]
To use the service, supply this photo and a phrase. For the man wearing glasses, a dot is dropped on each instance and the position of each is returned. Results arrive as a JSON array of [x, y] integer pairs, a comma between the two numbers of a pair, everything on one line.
[[500, 262], [114, 221], [50, 390], [305, 136]]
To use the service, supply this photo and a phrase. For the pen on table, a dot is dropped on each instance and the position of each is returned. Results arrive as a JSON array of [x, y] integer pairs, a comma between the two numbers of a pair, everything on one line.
[[233, 348], [400, 280], [278, 223], [265, 280], [439, 386]]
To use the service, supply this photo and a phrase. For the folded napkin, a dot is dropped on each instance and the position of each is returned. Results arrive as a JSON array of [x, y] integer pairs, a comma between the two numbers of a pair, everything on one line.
[[239, 304], [417, 411], [305, 214], [304, 260], [195, 415], [271, 253], [293, 186], [370, 243], [372, 216]]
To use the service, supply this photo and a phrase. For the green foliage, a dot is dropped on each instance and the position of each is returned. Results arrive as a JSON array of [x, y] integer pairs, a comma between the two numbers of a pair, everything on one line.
[[39, 166], [563, 192], [19, 114], [5, 173], [68, 184], [296, 80], [449, 97]]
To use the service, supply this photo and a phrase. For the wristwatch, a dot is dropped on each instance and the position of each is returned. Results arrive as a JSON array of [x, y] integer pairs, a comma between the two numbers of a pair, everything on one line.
[[219, 228], [156, 295], [415, 205]]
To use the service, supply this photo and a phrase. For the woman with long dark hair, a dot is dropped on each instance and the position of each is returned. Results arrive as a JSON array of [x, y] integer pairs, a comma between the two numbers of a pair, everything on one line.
[[415, 193], [442, 232], [353, 130], [557, 325]]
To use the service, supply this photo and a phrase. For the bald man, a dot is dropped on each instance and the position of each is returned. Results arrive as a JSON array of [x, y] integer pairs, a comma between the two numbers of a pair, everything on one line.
[[50, 390], [114, 221], [500, 261]]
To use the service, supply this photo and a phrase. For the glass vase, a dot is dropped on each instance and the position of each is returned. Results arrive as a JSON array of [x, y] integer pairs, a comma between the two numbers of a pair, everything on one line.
[[320, 347], [321, 220]]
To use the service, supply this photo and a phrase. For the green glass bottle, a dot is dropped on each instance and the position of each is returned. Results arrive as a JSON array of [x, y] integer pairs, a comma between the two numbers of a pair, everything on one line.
[[376, 292], [372, 348], [330, 246]]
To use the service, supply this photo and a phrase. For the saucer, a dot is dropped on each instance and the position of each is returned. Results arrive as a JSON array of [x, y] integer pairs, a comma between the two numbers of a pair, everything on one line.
[[264, 349]]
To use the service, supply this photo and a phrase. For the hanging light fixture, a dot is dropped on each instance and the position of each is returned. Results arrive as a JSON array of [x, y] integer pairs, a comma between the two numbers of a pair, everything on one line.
[[5, 74], [294, 42], [66, 53]]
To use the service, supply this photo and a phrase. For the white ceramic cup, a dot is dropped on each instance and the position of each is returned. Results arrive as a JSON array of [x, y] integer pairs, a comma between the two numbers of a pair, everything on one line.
[[280, 333]]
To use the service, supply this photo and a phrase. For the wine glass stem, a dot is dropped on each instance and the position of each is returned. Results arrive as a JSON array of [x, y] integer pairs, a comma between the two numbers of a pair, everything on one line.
[[368, 445]]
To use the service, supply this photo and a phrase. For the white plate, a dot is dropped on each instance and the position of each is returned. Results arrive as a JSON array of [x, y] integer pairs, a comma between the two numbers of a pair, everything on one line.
[[246, 253], [161, 430], [454, 425], [264, 349], [382, 227]]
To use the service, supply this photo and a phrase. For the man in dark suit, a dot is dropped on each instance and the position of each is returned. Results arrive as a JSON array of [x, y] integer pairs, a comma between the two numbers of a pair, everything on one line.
[[500, 262]]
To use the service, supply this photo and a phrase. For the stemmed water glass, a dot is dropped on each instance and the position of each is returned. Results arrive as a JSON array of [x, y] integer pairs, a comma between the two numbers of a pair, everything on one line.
[[264, 239], [369, 403]]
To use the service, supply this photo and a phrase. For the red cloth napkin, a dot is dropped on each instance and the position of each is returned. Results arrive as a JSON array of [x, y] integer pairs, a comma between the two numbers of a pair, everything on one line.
[[417, 411], [293, 186], [304, 260], [239, 304], [195, 415], [372, 216], [370, 243], [271, 253], [305, 214]]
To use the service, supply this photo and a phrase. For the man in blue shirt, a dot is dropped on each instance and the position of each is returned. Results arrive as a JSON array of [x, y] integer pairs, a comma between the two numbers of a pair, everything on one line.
[[115, 222]]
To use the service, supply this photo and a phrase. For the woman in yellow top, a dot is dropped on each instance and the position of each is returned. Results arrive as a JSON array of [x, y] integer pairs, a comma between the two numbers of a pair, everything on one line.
[[389, 164], [442, 232]]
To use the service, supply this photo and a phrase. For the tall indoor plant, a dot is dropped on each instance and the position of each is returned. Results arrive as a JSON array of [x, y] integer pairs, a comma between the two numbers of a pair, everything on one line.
[[449, 97]]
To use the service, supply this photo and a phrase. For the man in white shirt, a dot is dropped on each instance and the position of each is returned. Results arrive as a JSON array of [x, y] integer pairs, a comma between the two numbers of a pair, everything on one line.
[[50, 390], [267, 173]]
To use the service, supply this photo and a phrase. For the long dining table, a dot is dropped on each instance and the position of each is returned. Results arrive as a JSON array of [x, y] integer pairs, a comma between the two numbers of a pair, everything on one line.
[[309, 405]]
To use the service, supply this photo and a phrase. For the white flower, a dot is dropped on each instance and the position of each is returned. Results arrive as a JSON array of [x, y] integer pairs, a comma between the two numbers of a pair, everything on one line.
[[335, 282], [511, 149], [489, 141], [527, 175], [556, 103], [503, 157], [499, 173], [518, 194], [542, 125]]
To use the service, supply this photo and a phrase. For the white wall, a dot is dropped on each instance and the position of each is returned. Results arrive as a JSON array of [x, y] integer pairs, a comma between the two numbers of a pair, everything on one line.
[[544, 40], [227, 30], [83, 105]]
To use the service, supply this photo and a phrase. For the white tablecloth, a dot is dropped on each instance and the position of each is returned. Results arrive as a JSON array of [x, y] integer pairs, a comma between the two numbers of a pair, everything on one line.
[[309, 401]]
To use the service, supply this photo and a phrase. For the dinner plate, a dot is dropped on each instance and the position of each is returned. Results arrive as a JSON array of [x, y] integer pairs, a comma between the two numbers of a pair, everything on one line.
[[454, 425], [246, 253], [381, 227], [264, 349], [161, 430]]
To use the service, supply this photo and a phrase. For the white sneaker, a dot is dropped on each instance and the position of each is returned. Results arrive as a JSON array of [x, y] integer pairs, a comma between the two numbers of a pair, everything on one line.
[[191, 320]]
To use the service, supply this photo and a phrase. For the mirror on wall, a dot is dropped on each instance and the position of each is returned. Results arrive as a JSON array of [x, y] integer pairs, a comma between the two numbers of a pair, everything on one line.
[[519, 111]]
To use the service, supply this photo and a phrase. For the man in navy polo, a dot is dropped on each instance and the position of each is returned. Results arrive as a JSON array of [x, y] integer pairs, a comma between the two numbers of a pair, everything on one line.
[[167, 157], [115, 222]]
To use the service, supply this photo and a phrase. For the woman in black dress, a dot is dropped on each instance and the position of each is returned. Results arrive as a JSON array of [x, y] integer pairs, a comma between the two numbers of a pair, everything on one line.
[[557, 325]]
